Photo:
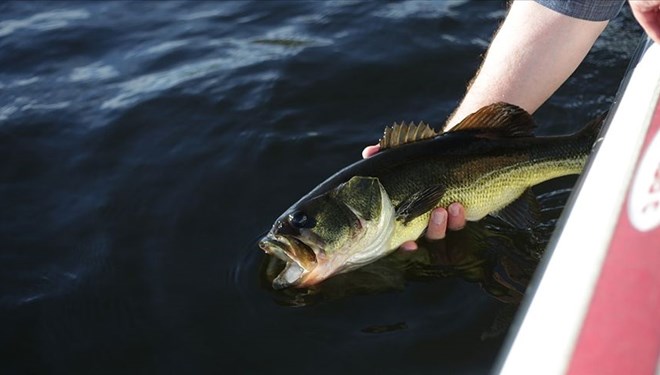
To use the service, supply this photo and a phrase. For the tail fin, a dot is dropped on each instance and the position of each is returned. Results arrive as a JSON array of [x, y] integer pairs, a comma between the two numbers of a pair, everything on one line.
[[592, 129], [589, 135]]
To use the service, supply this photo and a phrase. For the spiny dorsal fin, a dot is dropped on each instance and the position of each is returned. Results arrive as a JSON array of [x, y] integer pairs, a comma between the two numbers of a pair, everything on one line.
[[500, 119], [400, 134]]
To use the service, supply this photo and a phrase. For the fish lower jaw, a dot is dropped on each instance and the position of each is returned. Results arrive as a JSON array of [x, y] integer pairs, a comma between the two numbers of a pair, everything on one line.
[[320, 273], [291, 275], [296, 276], [310, 280]]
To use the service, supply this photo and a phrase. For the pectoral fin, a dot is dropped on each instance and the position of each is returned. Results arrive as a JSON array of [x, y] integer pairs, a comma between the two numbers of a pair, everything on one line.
[[419, 203], [523, 213]]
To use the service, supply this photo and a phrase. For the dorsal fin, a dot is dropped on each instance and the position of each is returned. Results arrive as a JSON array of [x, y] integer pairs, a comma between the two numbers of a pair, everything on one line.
[[500, 119], [400, 134]]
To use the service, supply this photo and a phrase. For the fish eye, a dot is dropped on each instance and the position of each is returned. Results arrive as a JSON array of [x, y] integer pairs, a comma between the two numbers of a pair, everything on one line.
[[300, 220]]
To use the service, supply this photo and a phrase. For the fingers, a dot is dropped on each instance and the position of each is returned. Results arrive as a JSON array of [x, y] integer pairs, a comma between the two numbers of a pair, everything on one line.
[[370, 151], [456, 220], [437, 224], [408, 246], [453, 218]]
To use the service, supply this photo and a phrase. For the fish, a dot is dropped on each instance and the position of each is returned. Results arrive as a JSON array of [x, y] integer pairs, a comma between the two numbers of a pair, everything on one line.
[[488, 163]]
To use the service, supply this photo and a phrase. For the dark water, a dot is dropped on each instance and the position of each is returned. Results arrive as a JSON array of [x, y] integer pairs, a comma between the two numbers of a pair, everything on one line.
[[147, 146]]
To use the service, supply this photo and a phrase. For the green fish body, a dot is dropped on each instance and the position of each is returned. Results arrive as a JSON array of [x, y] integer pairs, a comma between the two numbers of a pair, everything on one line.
[[368, 209]]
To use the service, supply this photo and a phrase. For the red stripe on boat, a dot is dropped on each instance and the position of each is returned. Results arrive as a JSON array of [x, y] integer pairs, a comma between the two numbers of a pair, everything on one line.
[[621, 331]]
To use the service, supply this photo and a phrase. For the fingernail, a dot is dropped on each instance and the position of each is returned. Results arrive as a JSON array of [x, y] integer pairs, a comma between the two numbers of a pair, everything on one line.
[[409, 246], [370, 151], [454, 209], [438, 216]]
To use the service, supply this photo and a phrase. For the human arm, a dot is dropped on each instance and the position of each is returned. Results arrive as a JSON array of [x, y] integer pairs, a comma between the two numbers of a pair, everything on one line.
[[535, 50]]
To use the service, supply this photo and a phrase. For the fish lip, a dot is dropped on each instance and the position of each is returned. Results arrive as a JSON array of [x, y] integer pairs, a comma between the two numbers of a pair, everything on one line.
[[270, 242], [294, 271]]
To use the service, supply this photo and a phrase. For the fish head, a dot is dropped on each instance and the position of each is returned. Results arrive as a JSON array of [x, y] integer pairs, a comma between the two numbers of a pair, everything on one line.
[[331, 233]]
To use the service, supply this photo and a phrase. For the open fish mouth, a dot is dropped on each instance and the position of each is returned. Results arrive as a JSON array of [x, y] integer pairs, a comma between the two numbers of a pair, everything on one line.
[[300, 259]]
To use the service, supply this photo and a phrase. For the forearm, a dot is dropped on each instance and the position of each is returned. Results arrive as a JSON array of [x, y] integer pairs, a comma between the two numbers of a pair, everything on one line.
[[533, 53]]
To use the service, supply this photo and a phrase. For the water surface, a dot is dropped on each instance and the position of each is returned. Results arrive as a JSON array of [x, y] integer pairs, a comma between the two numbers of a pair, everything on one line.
[[146, 146]]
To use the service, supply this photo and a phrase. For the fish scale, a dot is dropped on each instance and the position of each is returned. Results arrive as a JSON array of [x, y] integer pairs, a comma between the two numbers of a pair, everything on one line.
[[366, 210]]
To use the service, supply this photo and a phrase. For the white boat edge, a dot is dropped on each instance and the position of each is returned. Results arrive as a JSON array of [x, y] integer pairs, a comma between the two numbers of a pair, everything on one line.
[[546, 329]]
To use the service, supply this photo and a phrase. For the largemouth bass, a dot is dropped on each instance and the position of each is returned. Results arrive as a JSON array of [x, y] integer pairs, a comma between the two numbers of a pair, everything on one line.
[[367, 210]]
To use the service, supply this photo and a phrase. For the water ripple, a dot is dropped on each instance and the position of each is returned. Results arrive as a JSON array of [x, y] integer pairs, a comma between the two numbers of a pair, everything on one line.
[[25, 104], [96, 71], [166, 46], [420, 9], [239, 54], [45, 21], [210, 13]]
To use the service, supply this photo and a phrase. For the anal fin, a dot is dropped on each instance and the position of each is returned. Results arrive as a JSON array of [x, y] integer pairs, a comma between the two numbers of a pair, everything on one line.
[[523, 213]]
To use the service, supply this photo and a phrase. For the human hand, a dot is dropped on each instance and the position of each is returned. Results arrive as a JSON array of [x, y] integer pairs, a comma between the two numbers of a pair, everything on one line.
[[452, 218], [647, 13], [370, 151]]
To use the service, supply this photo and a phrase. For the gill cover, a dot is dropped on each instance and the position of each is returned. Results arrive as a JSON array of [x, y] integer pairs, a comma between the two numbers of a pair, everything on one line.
[[363, 195], [345, 215], [354, 223], [367, 199]]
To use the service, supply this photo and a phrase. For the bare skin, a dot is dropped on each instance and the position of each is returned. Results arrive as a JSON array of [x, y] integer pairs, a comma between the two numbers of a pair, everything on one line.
[[647, 13], [535, 50]]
